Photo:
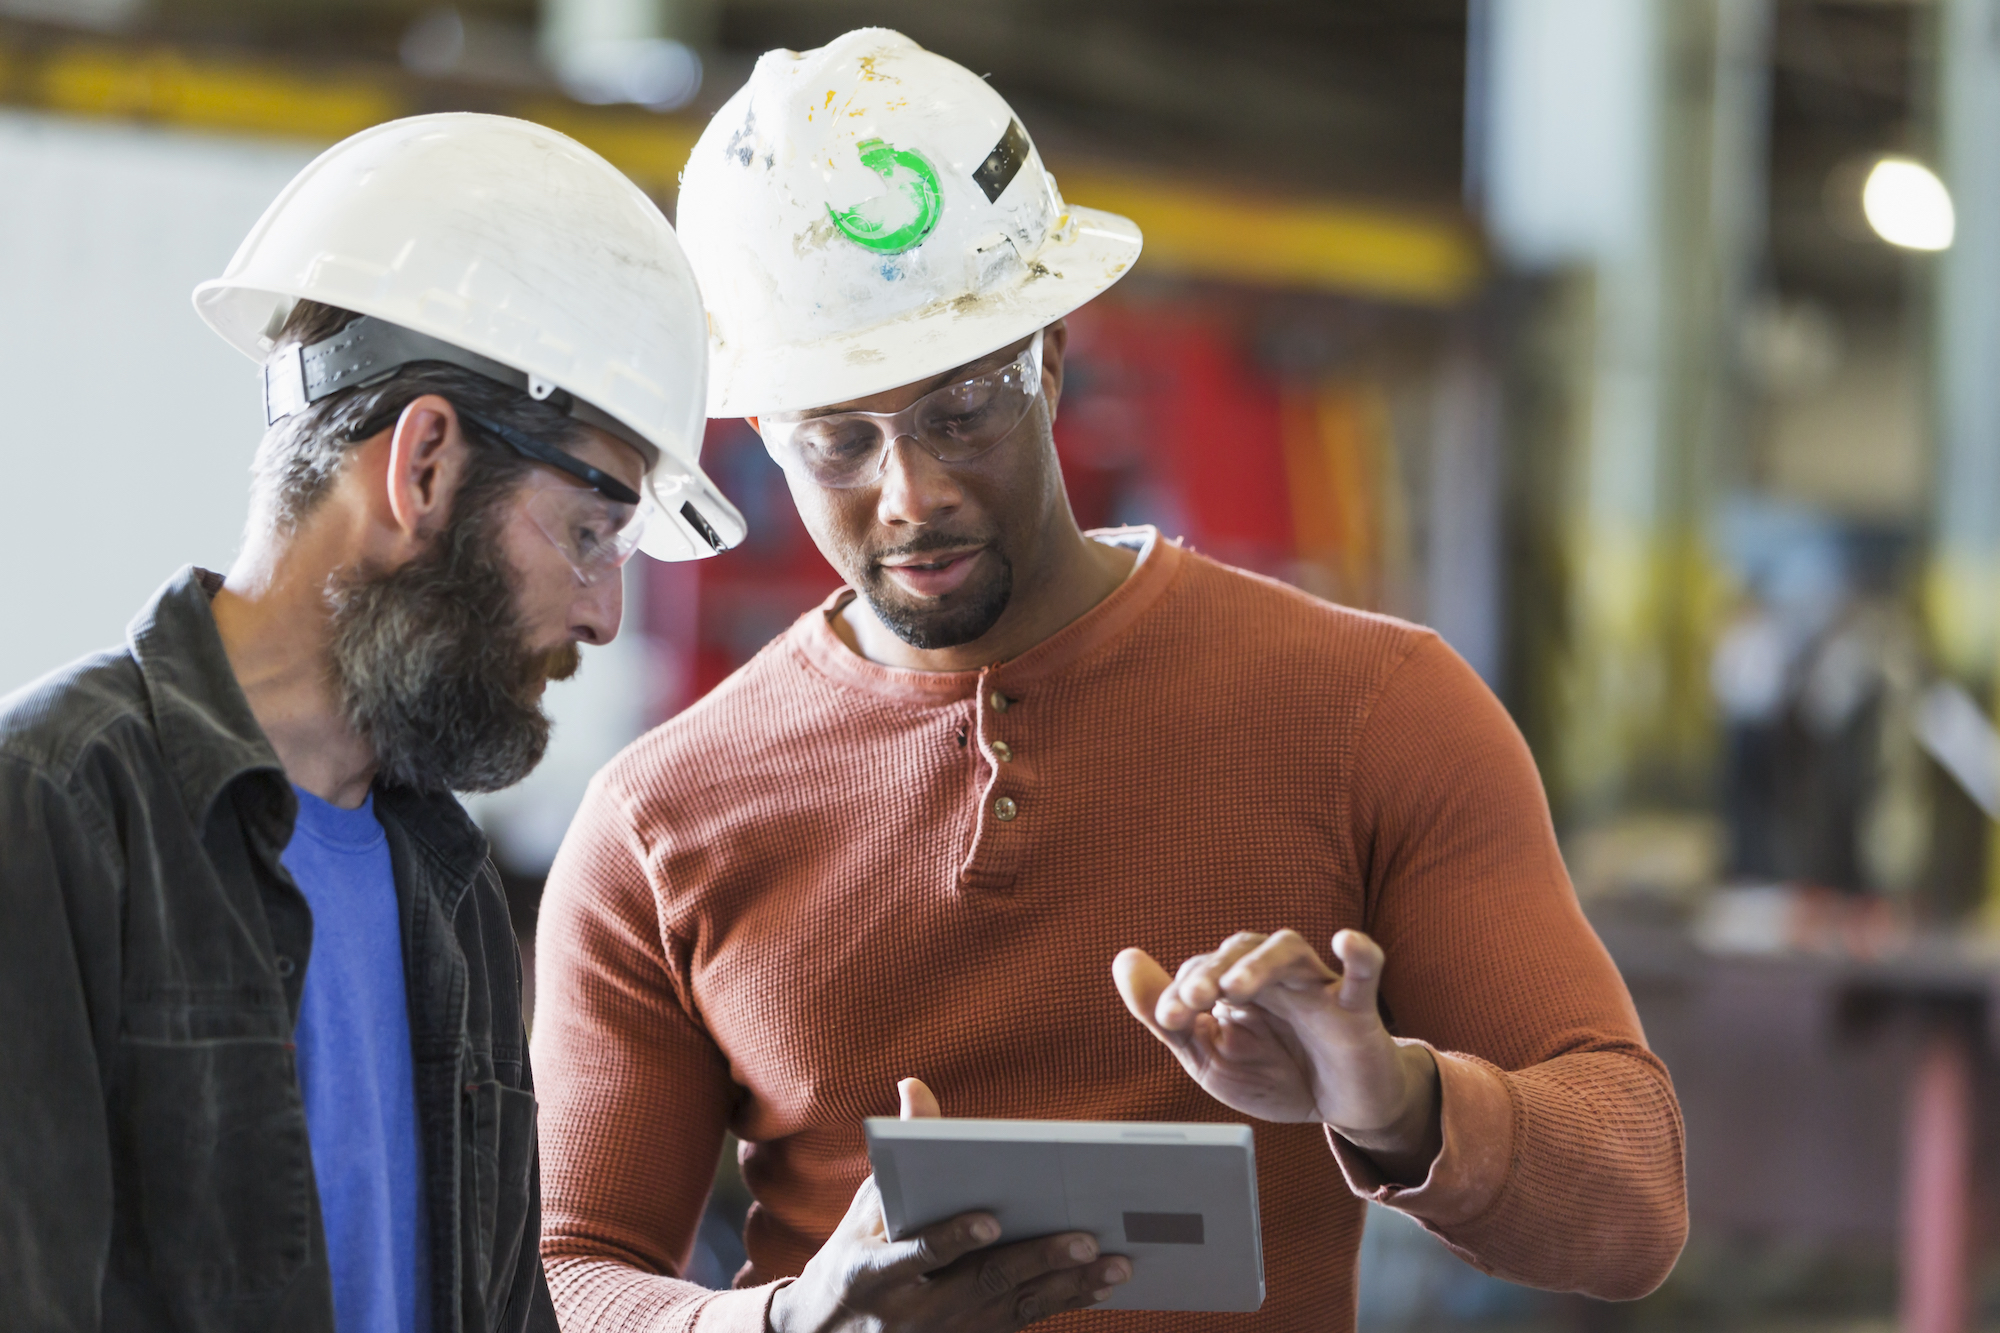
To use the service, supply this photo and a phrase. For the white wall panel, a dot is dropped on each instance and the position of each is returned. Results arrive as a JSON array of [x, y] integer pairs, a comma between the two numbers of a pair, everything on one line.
[[126, 427]]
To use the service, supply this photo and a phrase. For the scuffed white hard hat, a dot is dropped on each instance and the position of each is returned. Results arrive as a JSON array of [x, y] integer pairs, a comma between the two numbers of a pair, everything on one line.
[[869, 214], [520, 246]]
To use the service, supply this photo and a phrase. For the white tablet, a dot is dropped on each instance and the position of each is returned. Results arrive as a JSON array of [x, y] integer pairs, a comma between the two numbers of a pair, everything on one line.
[[1179, 1200]]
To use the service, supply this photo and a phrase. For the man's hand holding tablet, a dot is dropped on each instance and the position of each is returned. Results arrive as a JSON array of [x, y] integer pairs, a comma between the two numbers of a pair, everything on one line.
[[1267, 1028], [945, 1276], [1262, 1023]]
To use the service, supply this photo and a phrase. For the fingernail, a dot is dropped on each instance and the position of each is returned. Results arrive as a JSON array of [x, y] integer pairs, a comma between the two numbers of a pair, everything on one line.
[[1082, 1250], [1101, 1294], [986, 1231], [1117, 1273]]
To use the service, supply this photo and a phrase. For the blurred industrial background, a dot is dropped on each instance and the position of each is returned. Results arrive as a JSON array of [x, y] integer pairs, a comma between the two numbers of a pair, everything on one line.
[[1648, 349]]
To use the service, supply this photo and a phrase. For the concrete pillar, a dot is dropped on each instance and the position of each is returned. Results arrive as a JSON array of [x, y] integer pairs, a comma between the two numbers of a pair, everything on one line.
[[1462, 568], [1624, 148], [1962, 584], [1963, 588]]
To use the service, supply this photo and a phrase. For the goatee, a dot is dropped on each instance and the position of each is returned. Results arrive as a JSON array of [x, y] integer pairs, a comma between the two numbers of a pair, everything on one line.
[[965, 615]]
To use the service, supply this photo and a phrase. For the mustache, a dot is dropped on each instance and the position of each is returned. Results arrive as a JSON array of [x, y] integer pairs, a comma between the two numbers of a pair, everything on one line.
[[927, 542], [558, 663]]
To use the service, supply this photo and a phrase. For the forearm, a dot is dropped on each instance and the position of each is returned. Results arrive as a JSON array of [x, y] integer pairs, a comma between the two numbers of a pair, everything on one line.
[[606, 1295], [1567, 1175]]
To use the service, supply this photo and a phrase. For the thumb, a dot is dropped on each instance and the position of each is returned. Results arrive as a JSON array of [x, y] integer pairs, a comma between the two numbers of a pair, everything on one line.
[[1361, 970], [1141, 982], [919, 1102]]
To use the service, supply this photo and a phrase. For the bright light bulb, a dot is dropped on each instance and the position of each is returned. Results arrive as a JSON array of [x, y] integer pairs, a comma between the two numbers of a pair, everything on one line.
[[1907, 205]]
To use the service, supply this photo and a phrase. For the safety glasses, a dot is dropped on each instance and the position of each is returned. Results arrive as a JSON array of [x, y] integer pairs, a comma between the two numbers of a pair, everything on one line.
[[953, 424], [593, 532], [596, 526]]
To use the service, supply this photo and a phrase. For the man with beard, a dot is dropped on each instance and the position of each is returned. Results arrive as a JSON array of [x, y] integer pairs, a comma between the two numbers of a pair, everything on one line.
[[919, 833], [265, 1066]]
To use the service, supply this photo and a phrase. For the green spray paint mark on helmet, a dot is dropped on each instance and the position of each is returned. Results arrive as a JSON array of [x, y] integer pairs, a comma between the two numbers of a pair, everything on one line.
[[901, 219]]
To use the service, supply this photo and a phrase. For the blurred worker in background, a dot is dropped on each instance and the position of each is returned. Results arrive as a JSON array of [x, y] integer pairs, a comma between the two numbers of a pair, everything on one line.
[[266, 1066], [913, 834]]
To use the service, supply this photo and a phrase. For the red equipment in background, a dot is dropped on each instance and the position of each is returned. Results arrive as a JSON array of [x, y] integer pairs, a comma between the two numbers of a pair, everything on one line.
[[1164, 419]]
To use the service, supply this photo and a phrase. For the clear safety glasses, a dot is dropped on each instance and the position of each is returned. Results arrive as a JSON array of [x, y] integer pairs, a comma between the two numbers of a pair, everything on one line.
[[596, 525], [594, 533], [953, 424]]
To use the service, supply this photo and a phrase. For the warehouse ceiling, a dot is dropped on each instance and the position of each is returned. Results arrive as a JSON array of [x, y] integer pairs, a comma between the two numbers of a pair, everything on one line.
[[1850, 81], [1357, 98], [1347, 96]]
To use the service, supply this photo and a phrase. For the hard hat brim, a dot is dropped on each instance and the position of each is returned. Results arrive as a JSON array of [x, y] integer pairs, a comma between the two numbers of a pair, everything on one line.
[[750, 381]]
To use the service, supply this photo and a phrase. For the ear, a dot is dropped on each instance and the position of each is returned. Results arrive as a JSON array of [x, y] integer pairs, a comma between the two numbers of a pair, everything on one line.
[[427, 453], [1055, 344]]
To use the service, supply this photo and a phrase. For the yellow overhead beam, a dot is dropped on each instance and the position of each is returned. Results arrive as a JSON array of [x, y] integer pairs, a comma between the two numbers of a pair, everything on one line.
[[1325, 246], [161, 84], [1190, 231]]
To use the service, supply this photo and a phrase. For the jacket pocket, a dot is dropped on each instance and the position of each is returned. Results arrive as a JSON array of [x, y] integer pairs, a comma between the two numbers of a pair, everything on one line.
[[500, 1145], [214, 1138]]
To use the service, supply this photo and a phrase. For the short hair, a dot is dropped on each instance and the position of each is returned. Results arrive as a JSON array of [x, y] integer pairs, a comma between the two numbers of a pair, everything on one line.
[[300, 458]]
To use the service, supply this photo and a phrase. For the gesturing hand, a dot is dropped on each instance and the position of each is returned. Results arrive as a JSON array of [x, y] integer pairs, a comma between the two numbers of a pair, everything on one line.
[[1269, 1029], [944, 1277]]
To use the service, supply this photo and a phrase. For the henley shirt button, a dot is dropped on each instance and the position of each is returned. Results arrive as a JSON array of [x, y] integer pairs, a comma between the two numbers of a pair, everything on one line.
[[286, 966], [1000, 702], [1003, 752], [1004, 809]]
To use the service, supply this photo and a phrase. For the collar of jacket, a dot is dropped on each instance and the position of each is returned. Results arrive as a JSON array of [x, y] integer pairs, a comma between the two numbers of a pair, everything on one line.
[[208, 735], [210, 738]]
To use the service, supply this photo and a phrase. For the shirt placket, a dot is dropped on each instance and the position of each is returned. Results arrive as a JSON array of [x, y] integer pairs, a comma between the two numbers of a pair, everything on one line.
[[1007, 798]]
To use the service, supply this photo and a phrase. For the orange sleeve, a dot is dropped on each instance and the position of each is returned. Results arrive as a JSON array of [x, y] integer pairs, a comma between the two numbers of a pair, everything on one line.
[[634, 1095], [1562, 1162]]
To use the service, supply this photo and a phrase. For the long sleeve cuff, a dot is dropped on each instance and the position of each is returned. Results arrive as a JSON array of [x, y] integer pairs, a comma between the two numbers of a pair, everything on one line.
[[1476, 1114], [607, 1296], [745, 1311]]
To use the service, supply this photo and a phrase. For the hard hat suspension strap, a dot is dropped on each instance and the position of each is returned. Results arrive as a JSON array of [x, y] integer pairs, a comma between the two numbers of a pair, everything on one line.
[[370, 350]]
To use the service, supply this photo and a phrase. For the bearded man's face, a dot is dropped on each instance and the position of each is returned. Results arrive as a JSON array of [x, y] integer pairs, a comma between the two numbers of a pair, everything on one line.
[[435, 668]]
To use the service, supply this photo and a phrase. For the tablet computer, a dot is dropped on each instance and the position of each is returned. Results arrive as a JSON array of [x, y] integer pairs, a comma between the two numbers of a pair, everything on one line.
[[1179, 1200]]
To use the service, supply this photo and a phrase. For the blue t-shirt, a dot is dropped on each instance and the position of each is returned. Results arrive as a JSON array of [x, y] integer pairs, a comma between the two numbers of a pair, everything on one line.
[[355, 1070]]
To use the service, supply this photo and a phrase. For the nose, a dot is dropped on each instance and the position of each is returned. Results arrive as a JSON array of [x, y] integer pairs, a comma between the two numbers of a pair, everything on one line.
[[915, 488], [597, 608]]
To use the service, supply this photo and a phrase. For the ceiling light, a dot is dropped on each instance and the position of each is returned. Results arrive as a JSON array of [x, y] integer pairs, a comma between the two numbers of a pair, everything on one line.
[[651, 71], [1907, 205]]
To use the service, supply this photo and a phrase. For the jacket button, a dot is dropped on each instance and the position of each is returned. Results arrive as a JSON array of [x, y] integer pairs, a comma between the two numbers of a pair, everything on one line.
[[286, 966], [1000, 702], [1004, 809], [1003, 752]]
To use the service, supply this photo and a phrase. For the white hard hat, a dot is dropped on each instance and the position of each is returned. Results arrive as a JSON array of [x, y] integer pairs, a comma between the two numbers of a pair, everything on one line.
[[870, 214], [520, 246]]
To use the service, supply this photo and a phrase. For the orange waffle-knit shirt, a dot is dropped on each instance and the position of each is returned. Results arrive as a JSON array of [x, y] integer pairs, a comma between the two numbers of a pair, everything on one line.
[[801, 890]]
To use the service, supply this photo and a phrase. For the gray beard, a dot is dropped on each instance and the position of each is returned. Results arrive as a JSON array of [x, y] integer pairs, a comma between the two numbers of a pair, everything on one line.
[[433, 666]]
